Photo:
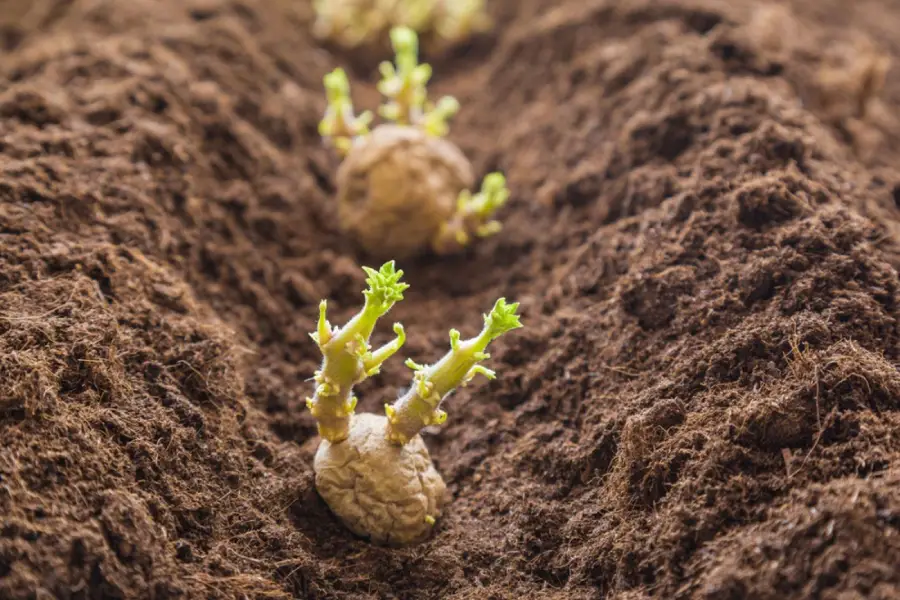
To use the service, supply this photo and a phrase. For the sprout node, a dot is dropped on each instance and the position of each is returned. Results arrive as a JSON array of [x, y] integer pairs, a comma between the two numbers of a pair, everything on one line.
[[474, 215]]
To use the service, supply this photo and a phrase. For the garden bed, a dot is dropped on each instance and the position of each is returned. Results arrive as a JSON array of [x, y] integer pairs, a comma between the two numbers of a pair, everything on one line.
[[702, 234]]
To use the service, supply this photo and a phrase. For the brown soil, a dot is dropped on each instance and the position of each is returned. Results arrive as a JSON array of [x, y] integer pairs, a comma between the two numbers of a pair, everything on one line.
[[704, 234]]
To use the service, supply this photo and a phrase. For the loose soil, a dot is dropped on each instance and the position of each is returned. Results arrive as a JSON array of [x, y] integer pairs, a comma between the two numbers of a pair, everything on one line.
[[704, 235]]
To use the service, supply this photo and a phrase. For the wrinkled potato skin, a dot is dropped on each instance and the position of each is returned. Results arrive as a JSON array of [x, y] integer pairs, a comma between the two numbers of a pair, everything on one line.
[[396, 187], [379, 490]]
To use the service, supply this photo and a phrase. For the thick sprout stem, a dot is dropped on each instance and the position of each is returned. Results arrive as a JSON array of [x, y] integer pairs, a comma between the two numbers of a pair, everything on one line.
[[340, 124], [436, 119], [404, 83], [474, 216], [420, 406], [348, 358]]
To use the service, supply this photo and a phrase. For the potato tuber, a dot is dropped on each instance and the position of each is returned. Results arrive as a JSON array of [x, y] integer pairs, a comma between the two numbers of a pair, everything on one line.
[[398, 188], [387, 493]]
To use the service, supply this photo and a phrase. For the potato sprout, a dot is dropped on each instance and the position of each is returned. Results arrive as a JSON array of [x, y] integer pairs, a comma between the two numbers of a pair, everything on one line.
[[352, 23]]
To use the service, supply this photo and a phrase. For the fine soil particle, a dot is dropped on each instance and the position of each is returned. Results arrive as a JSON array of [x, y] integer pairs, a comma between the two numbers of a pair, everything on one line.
[[703, 232]]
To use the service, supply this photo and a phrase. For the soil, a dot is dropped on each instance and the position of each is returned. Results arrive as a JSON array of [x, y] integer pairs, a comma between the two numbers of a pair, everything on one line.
[[703, 232]]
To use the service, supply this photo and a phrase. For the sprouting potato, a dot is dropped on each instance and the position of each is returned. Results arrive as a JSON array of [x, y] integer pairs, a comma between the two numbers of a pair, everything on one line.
[[398, 187], [403, 188], [374, 471]]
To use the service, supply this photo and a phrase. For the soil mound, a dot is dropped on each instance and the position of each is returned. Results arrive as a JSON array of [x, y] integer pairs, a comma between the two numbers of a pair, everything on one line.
[[703, 234]]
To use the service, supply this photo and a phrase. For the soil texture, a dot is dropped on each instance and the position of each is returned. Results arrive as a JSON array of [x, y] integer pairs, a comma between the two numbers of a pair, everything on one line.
[[703, 233]]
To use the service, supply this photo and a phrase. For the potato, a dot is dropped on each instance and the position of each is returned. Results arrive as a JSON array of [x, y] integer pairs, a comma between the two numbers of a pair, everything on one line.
[[397, 187], [387, 493]]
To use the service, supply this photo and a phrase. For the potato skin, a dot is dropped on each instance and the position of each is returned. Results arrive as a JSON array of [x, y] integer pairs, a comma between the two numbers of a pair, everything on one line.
[[396, 187], [379, 490]]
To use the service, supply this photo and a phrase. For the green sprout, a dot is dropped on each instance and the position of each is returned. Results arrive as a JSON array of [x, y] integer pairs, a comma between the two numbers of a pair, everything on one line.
[[404, 84], [385, 288], [347, 355], [340, 124], [419, 407], [437, 117], [352, 23], [474, 214], [403, 188]]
